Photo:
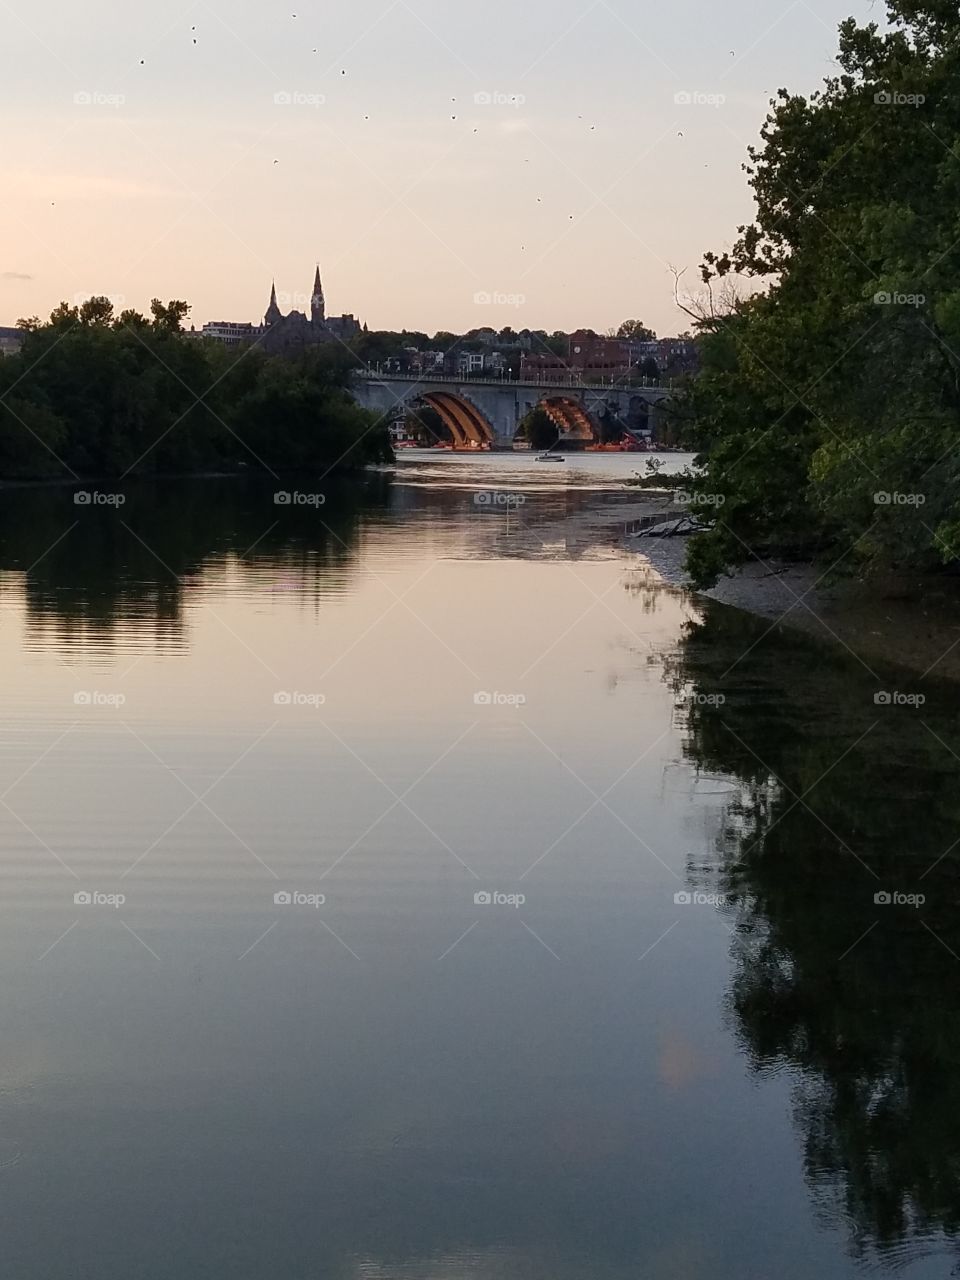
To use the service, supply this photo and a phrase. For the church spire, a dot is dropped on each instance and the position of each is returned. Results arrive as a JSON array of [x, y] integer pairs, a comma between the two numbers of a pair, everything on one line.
[[273, 311], [317, 305]]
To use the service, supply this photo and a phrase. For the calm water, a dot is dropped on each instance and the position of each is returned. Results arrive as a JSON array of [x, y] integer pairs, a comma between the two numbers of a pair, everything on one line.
[[211, 700]]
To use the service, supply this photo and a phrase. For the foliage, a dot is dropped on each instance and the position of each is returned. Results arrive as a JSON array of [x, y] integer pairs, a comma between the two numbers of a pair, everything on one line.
[[636, 331], [95, 394], [837, 387], [539, 429]]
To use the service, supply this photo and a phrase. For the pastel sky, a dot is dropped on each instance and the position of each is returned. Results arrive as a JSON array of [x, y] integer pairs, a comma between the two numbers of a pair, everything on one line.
[[199, 150]]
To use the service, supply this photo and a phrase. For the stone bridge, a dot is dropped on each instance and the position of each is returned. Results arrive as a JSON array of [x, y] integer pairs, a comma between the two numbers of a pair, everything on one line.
[[484, 413]]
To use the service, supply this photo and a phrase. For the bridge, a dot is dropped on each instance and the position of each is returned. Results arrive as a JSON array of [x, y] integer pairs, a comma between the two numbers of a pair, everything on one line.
[[485, 413]]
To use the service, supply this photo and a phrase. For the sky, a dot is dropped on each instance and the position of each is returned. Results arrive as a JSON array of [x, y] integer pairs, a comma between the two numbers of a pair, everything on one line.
[[449, 165]]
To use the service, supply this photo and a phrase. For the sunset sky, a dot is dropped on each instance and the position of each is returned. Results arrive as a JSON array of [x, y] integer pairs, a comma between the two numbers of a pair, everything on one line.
[[151, 150]]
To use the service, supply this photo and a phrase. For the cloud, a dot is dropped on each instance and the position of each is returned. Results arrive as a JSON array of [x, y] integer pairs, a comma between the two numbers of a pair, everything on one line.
[[15, 275]]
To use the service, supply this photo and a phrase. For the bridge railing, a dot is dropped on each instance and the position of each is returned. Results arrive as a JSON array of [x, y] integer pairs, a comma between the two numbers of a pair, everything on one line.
[[570, 380]]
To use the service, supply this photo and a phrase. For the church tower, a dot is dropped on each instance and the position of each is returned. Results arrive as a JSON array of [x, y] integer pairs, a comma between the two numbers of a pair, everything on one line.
[[274, 314], [318, 312]]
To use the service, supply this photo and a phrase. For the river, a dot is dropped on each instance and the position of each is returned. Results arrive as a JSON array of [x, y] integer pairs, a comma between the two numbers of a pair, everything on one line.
[[403, 887]]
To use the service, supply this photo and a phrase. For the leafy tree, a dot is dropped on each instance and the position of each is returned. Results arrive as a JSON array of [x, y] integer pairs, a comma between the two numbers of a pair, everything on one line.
[[96, 311], [539, 429], [171, 316], [636, 331], [828, 407]]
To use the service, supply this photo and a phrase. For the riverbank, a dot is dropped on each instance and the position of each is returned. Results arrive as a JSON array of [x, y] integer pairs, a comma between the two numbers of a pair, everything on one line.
[[906, 619]]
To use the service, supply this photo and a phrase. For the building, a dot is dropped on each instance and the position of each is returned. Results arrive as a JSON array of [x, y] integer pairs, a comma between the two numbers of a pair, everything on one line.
[[10, 341], [288, 334], [589, 357], [282, 334], [230, 333]]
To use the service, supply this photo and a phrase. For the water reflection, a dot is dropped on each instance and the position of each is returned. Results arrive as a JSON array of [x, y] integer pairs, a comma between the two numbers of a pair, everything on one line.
[[84, 576], [841, 800], [407, 1084]]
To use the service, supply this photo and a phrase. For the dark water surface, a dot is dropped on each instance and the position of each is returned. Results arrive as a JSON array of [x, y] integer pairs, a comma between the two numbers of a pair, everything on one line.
[[210, 700]]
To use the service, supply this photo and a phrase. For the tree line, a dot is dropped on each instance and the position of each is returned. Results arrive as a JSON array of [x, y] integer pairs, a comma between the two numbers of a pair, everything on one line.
[[95, 393]]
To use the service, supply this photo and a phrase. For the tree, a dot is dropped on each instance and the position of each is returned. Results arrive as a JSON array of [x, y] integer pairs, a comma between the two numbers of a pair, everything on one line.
[[169, 318], [96, 311], [636, 331], [539, 429], [827, 411]]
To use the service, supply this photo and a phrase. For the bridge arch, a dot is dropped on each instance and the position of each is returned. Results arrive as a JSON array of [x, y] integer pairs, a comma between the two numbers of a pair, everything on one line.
[[468, 427], [570, 417]]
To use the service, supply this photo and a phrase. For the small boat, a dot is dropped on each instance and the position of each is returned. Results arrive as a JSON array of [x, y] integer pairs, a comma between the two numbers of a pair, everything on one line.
[[550, 457]]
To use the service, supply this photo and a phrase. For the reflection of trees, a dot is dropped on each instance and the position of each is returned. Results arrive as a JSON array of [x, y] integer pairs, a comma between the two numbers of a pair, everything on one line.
[[862, 1000], [84, 573]]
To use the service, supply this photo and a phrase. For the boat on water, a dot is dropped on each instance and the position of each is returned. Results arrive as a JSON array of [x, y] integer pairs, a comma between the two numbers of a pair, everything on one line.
[[550, 457]]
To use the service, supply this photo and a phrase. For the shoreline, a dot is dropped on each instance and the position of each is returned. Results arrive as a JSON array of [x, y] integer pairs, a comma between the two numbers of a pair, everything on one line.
[[901, 619]]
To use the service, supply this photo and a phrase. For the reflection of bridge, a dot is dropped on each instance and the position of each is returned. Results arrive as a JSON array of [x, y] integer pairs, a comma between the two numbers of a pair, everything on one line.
[[481, 413]]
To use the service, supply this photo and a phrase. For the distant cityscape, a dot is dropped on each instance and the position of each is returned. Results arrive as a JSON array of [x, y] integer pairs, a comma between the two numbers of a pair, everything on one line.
[[632, 353]]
